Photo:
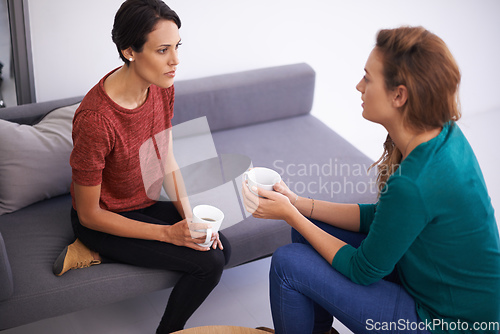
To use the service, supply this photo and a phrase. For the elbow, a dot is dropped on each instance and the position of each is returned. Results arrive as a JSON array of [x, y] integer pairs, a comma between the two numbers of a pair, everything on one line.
[[365, 281], [366, 278], [87, 219]]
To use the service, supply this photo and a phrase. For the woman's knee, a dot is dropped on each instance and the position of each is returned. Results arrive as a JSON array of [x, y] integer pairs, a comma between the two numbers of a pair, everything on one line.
[[211, 264], [227, 248], [287, 259]]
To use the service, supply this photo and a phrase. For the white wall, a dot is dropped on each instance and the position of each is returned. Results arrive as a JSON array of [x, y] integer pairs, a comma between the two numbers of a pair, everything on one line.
[[72, 47]]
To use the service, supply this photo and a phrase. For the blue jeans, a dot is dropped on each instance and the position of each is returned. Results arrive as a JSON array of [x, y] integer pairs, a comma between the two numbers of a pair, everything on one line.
[[307, 292]]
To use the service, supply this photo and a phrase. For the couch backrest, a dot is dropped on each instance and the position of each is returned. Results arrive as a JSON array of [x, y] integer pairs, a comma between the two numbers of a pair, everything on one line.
[[228, 100], [244, 98], [32, 113]]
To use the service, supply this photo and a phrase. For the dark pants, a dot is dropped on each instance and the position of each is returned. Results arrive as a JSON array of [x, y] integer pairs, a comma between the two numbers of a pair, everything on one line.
[[201, 270]]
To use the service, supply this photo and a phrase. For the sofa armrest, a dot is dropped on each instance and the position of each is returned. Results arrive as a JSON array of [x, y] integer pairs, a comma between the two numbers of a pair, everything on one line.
[[6, 281]]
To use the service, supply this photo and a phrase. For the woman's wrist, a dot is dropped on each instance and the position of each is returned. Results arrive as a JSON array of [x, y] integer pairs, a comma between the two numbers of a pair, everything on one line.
[[312, 208], [305, 206], [292, 214], [164, 233]]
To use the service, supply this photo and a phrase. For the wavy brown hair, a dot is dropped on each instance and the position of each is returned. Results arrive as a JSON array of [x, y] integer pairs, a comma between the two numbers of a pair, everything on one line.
[[421, 61]]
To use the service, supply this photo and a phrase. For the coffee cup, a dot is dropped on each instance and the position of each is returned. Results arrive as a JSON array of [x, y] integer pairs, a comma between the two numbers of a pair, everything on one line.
[[261, 177], [207, 214]]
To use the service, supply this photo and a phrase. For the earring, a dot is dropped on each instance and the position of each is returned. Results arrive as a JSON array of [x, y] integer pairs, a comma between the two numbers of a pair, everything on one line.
[[131, 59]]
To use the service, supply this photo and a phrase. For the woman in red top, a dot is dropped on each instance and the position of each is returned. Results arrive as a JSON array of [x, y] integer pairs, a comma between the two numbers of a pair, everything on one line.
[[122, 156]]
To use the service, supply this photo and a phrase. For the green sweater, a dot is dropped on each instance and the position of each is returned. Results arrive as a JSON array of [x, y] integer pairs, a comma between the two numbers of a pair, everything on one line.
[[435, 223]]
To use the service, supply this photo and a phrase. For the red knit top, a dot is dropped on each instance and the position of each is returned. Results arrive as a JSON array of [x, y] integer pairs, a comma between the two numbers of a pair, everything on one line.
[[107, 140]]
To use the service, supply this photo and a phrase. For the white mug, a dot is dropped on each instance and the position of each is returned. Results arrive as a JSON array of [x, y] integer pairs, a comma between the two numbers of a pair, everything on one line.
[[207, 214], [261, 177]]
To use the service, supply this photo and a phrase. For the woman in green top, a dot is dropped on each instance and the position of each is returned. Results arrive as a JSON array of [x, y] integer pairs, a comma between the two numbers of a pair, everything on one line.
[[426, 257]]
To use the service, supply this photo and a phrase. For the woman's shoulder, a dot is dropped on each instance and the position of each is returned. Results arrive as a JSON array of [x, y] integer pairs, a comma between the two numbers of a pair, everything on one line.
[[166, 94], [91, 113], [91, 107], [96, 98], [91, 100], [437, 156], [166, 97]]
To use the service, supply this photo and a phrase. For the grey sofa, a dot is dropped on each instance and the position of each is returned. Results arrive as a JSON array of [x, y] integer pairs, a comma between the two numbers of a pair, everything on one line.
[[259, 117]]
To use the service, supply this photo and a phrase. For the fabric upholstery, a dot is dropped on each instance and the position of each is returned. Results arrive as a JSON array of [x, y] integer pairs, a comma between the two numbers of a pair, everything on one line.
[[35, 159], [6, 282], [32, 113], [245, 98]]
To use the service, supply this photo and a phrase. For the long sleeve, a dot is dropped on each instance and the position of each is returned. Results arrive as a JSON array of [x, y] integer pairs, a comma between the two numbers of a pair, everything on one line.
[[366, 216], [399, 218]]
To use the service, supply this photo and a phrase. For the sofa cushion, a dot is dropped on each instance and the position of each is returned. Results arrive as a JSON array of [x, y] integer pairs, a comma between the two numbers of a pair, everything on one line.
[[35, 159], [6, 282]]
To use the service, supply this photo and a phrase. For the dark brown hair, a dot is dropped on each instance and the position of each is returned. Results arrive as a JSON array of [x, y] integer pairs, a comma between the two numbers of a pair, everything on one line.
[[135, 20]]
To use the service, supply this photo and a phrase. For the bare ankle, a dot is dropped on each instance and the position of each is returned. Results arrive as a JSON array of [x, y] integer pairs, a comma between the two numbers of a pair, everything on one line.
[[96, 256]]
